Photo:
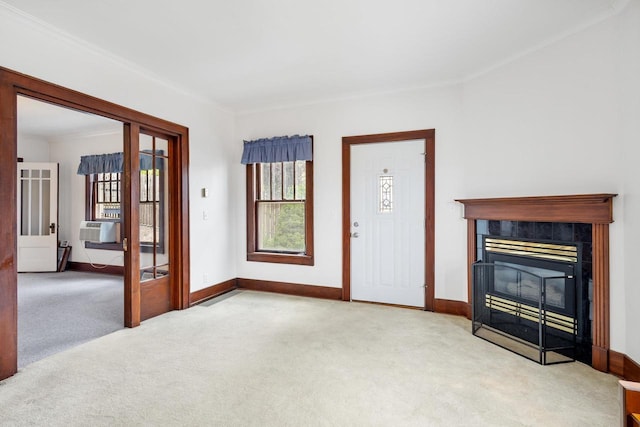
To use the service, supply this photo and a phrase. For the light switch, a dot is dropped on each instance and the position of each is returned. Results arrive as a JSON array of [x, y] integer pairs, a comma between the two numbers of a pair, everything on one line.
[[205, 192]]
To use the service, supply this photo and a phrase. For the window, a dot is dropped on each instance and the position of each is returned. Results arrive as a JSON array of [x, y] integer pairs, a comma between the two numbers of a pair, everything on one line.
[[280, 212], [103, 204]]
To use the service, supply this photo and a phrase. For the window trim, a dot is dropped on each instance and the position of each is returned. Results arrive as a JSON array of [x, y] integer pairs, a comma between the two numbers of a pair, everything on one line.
[[278, 257]]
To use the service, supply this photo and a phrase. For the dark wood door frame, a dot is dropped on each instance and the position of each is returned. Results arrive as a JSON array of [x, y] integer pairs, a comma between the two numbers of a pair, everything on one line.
[[429, 137], [13, 84]]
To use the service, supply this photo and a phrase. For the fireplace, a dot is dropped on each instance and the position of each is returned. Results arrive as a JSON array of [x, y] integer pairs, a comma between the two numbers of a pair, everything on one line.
[[528, 299], [551, 219]]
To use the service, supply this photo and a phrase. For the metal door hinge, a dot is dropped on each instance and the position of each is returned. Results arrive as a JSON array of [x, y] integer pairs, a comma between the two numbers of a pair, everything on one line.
[[124, 244]]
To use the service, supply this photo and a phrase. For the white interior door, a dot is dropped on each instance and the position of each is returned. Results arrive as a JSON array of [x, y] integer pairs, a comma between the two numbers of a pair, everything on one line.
[[387, 223], [37, 216]]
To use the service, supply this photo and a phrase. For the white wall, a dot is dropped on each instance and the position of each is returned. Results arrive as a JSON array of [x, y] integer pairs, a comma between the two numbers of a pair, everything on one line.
[[32, 148], [547, 123], [628, 88], [39, 52]]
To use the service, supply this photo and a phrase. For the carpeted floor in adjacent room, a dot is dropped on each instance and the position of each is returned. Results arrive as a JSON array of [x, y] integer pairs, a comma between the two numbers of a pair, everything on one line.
[[57, 311]]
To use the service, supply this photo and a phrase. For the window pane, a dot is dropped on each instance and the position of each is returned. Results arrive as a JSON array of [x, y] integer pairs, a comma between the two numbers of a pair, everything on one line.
[[287, 172], [146, 142], [162, 147], [24, 209], [144, 186], [281, 227], [301, 180], [35, 205], [265, 184], [276, 181], [46, 206]]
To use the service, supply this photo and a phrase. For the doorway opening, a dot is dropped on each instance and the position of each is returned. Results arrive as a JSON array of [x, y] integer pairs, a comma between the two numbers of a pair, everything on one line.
[[349, 228], [59, 308], [163, 289]]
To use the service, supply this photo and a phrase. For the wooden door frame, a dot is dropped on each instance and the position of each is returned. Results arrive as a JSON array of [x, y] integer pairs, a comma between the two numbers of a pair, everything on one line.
[[13, 84], [428, 135]]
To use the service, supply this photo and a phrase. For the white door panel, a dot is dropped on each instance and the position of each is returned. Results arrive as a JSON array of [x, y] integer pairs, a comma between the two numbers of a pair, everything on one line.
[[387, 213], [37, 216]]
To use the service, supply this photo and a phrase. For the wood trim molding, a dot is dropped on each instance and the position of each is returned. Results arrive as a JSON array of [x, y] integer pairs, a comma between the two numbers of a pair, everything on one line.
[[471, 255], [623, 366], [631, 369], [457, 308], [290, 289], [202, 295], [428, 135], [616, 363], [587, 208], [600, 326], [8, 232], [117, 270]]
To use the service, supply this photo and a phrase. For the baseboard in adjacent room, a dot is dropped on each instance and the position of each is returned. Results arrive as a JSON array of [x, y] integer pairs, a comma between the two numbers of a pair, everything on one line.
[[86, 267], [202, 295], [291, 289]]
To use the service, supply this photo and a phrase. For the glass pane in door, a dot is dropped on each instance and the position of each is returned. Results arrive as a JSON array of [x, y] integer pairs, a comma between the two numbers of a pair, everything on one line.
[[154, 208], [35, 199]]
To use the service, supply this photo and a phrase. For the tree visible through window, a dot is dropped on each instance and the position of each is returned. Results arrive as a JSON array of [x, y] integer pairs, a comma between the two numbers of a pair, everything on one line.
[[281, 207]]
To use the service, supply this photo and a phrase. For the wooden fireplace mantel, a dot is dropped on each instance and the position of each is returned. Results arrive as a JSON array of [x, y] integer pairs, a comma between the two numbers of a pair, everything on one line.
[[594, 209], [584, 208]]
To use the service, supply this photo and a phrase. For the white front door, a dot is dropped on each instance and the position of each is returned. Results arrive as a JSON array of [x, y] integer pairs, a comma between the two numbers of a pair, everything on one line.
[[37, 216], [387, 223]]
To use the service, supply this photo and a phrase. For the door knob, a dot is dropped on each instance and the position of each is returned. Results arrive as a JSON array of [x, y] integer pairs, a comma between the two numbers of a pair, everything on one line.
[[355, 235]]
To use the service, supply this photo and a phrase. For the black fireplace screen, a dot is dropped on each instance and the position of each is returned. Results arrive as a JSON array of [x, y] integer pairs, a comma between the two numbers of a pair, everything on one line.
[[524, 299]]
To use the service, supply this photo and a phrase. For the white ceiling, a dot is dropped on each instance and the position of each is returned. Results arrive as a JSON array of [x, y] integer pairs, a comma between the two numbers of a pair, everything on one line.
[[48, 122], [254, 54]]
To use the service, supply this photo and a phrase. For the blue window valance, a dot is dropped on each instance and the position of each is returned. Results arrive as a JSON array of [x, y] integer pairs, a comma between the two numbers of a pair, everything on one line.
[[111, 163], [277, 149]]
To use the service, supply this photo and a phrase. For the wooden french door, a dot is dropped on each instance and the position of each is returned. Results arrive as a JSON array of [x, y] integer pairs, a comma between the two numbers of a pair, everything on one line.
[[149, 213]]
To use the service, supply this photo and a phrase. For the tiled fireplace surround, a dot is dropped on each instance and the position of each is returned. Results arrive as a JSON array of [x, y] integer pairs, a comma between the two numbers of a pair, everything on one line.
[[593, 209]]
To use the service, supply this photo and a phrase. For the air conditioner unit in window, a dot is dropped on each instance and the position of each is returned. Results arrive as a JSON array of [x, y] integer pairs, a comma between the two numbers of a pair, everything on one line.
[[98, 231]]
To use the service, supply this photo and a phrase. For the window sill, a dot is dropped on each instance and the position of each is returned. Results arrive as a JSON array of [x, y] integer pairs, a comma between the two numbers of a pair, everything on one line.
[[280, 258], [118, 247], [104, 246]]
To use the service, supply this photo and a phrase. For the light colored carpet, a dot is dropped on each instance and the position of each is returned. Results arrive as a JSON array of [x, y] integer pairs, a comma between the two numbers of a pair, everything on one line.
[[57, 311], [259, 359]]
